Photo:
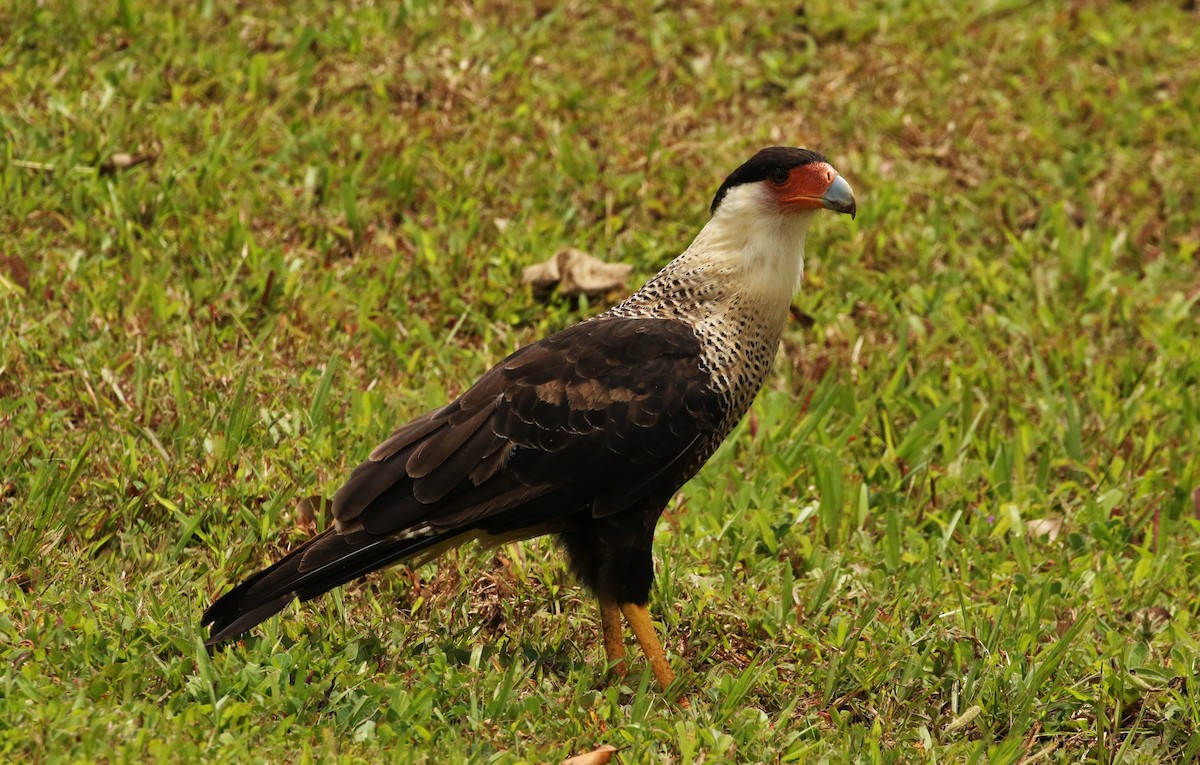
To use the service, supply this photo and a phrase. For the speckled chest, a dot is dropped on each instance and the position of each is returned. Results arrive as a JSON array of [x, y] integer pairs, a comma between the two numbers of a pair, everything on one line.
[[739, 338]]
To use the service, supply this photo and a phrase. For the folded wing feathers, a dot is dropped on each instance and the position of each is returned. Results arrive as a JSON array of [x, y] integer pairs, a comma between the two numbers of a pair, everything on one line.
[[456, 458], [433, 451], [557, 393], [409, 434]]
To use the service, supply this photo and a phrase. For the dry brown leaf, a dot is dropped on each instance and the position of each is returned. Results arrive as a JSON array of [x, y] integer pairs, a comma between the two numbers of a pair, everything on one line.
[[577, 273], [16, 269], [600, 756], [1047, 527], [306, 510], [1153, 619], [123, 160]]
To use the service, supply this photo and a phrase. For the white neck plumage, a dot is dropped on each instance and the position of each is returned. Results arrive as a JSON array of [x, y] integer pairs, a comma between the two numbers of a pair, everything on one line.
[[749, 253], [744, 268]]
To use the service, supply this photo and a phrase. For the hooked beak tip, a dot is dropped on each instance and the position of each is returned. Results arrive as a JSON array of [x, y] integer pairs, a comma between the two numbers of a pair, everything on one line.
[[839, 197]]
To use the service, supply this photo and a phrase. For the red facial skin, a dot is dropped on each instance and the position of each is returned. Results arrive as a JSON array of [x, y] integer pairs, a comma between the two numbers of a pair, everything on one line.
[[804, 187]]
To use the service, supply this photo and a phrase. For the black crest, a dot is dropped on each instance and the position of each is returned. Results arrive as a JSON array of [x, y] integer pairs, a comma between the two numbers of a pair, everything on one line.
[[761, 165]]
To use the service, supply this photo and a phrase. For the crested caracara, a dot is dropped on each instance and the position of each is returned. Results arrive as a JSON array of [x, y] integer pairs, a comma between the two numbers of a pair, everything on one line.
[[588, 433]]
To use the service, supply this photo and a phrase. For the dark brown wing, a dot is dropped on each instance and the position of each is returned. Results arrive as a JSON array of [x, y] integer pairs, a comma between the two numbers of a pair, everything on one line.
[[589, 418], [604, 416]]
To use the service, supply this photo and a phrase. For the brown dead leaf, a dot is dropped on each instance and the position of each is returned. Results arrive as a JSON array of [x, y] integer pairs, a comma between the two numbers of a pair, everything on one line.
[[1047, 527], [16, 269], [1152, 619], [306, 511], [123, 160], [577, 273], [600, 756]]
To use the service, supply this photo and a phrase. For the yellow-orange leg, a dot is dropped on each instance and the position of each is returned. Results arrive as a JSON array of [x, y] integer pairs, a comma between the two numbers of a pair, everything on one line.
[[639, 620], [614, 641]]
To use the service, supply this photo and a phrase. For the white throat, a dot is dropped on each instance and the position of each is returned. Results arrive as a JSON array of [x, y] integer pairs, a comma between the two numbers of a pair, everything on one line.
[[752, 250], [744, 268], [749, 254]]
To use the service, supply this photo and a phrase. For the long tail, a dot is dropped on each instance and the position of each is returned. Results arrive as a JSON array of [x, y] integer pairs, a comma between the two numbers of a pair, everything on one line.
[[326, 561]]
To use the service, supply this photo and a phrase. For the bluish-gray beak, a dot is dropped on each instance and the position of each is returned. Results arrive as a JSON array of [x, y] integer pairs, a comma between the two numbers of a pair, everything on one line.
[[839, 197]]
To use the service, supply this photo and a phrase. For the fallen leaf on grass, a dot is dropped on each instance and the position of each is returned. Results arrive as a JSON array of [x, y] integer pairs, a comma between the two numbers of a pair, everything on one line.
[[1153, 619], [601, 756], [306, 511], [1044, 527], [123, 160], [577, 273], [16, 269]]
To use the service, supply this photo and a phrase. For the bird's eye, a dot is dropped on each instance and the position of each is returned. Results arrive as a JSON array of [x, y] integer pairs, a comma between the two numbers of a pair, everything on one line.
[[779, 176]]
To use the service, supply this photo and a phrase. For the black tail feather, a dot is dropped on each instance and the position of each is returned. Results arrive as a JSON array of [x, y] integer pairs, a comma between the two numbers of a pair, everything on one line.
[[316, 567]]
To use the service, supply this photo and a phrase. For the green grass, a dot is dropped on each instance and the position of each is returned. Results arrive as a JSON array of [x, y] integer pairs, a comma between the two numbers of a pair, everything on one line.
[[326, 239]]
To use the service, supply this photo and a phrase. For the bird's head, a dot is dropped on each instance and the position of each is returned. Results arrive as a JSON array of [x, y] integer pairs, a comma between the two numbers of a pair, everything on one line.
[[760, 216], [782, 180]]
